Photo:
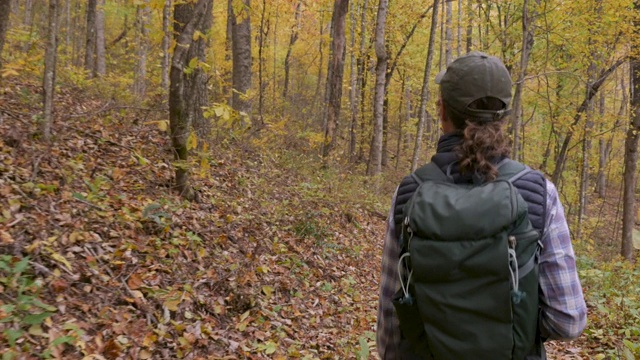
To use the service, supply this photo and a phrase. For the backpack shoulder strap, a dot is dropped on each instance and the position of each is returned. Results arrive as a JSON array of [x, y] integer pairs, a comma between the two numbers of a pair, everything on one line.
[[511, 170], [429, 172]]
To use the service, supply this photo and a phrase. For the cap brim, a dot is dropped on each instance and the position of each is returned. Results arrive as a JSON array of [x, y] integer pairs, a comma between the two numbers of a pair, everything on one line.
[[440, 76]]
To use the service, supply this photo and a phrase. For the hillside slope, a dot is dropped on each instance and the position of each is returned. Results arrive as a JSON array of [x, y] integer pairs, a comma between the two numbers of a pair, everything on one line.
[[274, 261]]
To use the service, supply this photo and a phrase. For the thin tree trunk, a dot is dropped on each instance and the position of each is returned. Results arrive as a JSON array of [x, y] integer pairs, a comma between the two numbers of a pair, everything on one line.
[[101, 62], [400, 119], [353, 91], [527, 45], [292, 40], [262, 34], [242, 62], [425, 94], [605, 147], [449, 34], [586, 148], [68, 29], [90, 48], [28, 23], [469, 25], [5, 11], [166, 42], [140, 86], [629, 213], [50, 69], [316, 96], [334, 78], [188, 17], [459, 42], [562, 155]]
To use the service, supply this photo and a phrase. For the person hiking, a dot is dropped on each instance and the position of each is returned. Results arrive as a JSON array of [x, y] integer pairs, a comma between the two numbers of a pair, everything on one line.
[[477, 260]]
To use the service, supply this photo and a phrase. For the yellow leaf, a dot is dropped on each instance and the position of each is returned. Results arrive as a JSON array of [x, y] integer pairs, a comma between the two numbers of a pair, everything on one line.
[[6, 238], [149, 339], [9, 72], [192, 141], [172, 303], [144, 354], [59, 258], [267, 290], [163, 125]]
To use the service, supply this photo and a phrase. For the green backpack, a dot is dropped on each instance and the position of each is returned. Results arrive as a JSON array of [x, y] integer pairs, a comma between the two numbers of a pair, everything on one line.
[[468, 268]]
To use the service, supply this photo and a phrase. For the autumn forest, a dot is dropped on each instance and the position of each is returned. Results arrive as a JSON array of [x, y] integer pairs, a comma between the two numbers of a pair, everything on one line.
[[210, 179]]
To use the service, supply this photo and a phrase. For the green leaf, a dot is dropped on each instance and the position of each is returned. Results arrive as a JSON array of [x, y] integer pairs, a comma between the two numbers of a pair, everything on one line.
[[9, 355], [364, 349], [21, 266], [13, 335], [79, 196], [42, 305], [36, 319], [63, 339]]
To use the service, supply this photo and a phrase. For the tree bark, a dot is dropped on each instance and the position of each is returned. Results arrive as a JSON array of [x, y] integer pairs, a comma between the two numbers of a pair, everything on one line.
[[101, 61], [360, 84], [292, 40], [606, 147], [374, 166], [562, 155], [142, 34], [90, 48], [242, 61], [5, 11], [261, 37], [166, 42], [334, 78], [631, 159], [449, 34], [188, 17], [469, 25], [631, 151], [527, 45], [49, 78], [353, 87], [425, 95]]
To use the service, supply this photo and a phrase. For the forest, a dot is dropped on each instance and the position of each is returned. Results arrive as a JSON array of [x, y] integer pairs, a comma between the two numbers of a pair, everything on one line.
[[200, 179]]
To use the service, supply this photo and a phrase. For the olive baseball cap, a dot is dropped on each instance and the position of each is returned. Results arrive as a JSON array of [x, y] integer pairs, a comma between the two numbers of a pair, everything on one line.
[[474, 76]]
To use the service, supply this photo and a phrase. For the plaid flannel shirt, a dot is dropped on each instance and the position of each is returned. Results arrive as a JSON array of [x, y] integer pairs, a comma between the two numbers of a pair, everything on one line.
[[563, 310]]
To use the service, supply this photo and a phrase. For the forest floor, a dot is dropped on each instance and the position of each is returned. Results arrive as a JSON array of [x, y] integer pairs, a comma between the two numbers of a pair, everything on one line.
[[277, 259]]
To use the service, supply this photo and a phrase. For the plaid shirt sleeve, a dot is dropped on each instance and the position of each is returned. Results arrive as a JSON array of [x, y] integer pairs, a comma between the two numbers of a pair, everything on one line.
[[564, 312], [388, 328]]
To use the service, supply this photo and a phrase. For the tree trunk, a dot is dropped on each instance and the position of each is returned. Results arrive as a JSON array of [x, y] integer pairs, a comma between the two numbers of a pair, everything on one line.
[[527, 46], [469, 24], [400, 119], [361, 81], [586, 148], [196, 81], [101, 62], [90, 48], [562, 155], [606, 146], [292, 40], [49, 78], [142, 34], [449, 34], [242, 62], [5, 11], [425, 95], [261, 37], [334, 78], [631, 156], [316, 95], [166, 42], [188, 18], [353, 88], [68, 26]]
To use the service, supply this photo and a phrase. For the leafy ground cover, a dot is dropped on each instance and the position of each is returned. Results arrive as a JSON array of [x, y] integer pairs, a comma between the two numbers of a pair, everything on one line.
[[277, 258]]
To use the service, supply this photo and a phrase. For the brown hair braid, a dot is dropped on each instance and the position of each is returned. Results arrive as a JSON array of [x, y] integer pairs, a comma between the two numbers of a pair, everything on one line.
[[484, 141]]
